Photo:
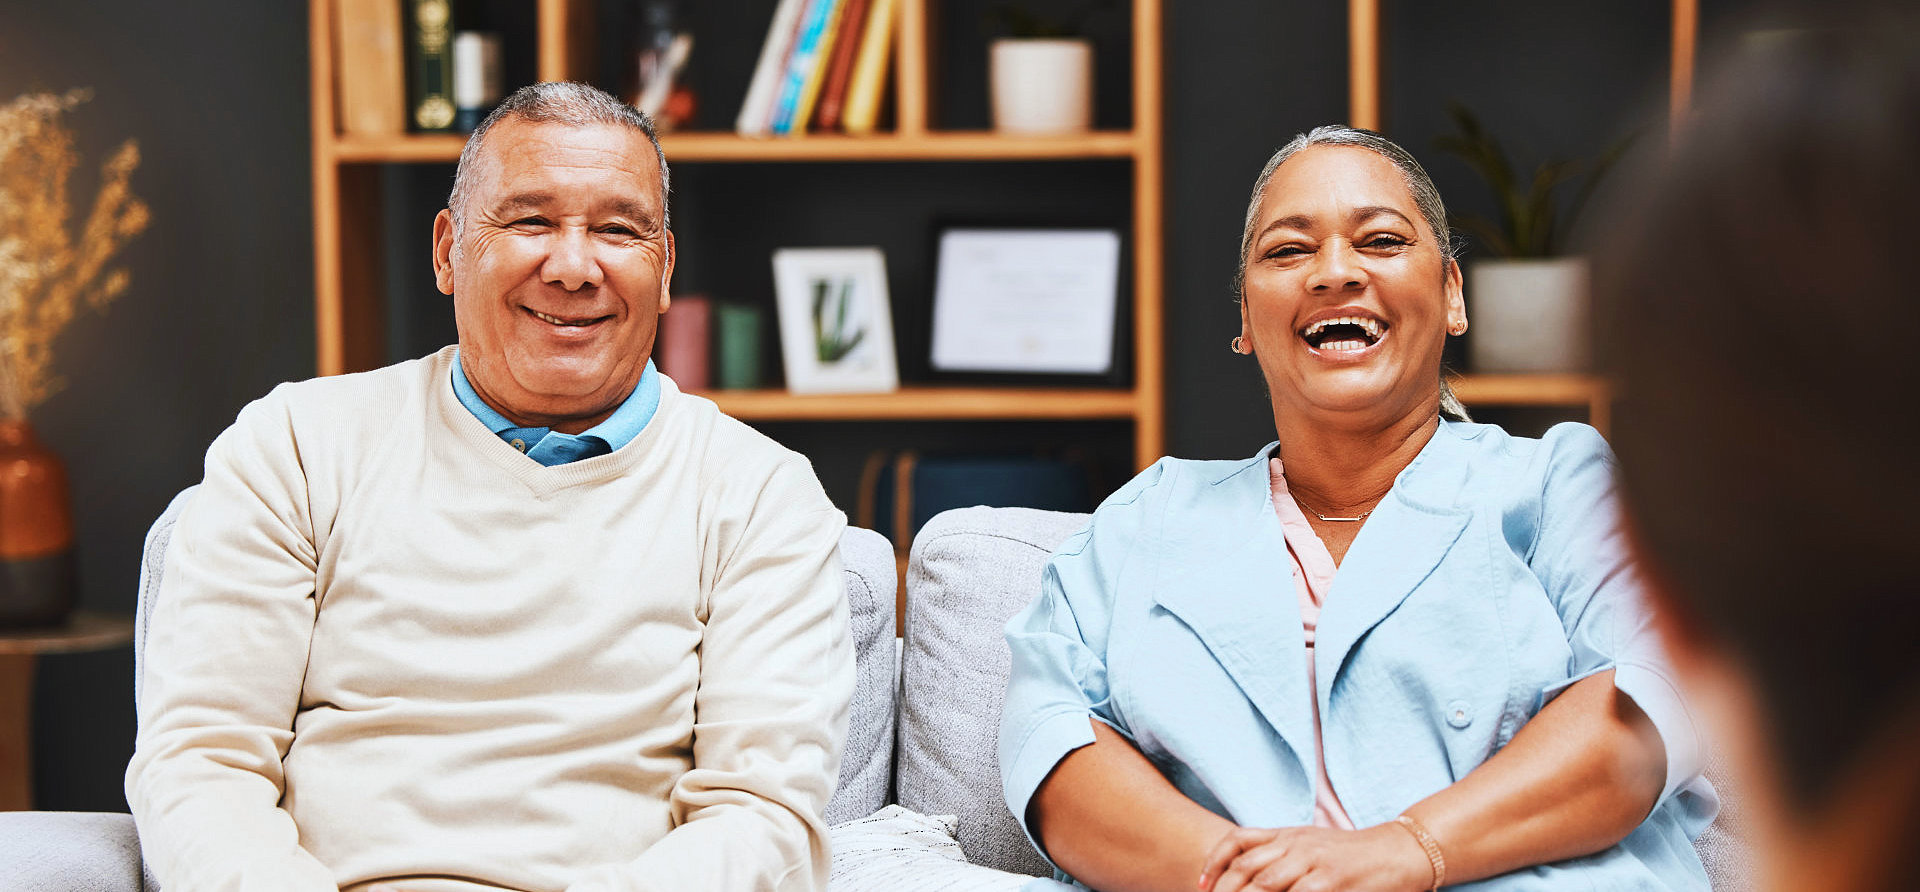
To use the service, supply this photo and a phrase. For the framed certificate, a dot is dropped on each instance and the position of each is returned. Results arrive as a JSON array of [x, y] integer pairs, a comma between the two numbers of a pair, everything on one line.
[[1026, 301]]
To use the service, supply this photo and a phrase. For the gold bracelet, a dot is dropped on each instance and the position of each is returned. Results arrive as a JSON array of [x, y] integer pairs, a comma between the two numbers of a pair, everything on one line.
[[1429, 845]]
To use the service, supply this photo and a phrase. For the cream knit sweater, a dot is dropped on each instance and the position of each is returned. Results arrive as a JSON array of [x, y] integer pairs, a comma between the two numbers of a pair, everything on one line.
[[393, 653]]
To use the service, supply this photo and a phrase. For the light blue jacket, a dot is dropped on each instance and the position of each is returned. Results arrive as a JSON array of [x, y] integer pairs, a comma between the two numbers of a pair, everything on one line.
[[1492, 576]]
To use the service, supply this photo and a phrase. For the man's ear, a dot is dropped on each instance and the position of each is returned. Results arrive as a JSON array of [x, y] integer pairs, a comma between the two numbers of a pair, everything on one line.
[[443, 251], [666, 275]]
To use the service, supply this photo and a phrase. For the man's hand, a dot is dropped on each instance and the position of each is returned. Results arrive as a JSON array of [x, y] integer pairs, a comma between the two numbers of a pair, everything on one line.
[[1382, 858]]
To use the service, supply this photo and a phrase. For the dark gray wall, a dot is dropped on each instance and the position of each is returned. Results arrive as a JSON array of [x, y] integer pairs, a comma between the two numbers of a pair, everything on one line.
[[220, 308]]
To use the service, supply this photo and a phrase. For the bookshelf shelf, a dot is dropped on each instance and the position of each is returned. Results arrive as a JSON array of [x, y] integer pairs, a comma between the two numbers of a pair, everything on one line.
[[698, 146], [1530, 390], [1588, 391], [931, 404]]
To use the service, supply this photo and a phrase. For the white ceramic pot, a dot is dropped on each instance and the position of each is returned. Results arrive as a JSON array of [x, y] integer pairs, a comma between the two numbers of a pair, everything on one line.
[[1528, 315], [1042, 86]]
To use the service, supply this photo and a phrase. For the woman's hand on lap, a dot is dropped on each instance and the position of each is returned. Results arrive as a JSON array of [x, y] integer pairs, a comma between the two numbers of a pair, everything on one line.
[[1382, 858]]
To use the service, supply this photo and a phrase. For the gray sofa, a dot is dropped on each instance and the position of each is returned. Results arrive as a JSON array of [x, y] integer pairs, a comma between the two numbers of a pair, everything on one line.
[[924, 738]]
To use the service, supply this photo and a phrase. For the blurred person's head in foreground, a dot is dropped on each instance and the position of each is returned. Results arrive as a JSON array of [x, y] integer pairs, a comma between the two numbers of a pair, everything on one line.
[[1760, 306]]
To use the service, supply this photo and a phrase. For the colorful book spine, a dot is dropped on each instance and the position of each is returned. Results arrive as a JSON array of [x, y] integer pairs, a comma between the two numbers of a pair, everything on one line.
[[756, 113], [833, 94], [822, 60], [430, 92], [801, 63], [870, 69]]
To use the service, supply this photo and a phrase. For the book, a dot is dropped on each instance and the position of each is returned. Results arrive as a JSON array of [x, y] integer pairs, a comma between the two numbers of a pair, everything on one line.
[[682, 349], [430, 56], [369, 67], [817, 78], [833, 92], [869, 80], [756, 113], [802, 63]]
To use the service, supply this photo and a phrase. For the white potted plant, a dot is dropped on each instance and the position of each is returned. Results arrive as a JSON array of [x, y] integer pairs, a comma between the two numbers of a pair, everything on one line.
[[1041, 75], [1528, 303]]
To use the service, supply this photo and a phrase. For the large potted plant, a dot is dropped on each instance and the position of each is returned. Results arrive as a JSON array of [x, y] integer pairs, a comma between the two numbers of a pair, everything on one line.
[[1528, 303], [47, 274], [1040, 73]]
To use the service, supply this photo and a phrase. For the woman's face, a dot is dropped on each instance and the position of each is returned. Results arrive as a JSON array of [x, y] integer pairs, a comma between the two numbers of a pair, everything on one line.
[[1348, 295]]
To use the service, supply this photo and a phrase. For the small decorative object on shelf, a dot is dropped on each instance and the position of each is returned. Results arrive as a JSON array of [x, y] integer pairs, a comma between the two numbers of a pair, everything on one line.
[[682, 349], [1528, 306], [476, 77], [1041, 74], [46, 275], [659, 56], [836, 325], [739, 346]]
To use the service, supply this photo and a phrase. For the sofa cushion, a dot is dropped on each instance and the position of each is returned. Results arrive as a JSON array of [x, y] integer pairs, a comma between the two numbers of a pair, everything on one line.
[[899, 850], [47, 851], [866, 768], [971, 569]]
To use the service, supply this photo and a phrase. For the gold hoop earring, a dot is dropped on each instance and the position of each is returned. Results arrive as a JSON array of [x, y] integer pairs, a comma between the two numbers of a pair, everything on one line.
[[1457, 329], [1238, 345]]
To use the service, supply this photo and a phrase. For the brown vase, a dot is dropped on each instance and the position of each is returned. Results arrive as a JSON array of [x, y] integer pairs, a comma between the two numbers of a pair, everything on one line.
[[36, 531]]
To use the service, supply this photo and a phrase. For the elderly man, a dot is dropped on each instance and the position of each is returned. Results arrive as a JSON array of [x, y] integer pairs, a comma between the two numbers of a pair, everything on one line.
[[517, 615]]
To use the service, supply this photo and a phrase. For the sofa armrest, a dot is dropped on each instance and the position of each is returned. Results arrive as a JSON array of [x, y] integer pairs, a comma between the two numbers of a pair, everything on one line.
[[56, 851]]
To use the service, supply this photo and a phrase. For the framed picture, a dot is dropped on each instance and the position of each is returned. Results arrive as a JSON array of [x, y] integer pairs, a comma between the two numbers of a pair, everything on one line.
[[1029, 301], [836, 328]]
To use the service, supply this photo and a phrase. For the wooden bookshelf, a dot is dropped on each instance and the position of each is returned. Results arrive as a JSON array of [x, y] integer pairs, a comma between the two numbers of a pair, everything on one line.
[[696, 147], [349, 307], [931, 404]]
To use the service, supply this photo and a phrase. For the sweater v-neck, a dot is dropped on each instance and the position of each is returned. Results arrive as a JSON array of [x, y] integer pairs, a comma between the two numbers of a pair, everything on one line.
[[540, 480]]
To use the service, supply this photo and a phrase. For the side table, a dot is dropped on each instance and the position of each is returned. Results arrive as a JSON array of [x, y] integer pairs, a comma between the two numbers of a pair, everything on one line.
[[85, 630]]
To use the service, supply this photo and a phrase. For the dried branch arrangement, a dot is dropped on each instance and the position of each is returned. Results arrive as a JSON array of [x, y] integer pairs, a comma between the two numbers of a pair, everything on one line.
[[46, 274]]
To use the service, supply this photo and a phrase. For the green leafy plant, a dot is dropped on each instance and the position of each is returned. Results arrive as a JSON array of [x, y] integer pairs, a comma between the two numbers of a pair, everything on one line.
[[1528, 224], [831, 338]]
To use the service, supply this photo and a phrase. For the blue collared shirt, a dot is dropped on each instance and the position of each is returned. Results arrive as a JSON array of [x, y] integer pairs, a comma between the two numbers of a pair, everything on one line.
[[550, 447]]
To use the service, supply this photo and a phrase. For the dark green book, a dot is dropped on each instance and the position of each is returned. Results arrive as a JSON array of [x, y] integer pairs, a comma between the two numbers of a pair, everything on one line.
[[430, 66]]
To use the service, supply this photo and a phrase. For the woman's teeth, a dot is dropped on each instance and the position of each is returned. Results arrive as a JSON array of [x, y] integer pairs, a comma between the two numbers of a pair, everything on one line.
[[1370, 326]]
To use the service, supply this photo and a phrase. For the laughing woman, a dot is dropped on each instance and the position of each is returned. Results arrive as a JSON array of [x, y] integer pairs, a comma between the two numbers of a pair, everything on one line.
[[1394, 650]]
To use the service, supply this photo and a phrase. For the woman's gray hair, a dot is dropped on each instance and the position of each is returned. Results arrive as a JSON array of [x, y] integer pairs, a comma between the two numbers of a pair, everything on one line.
[[572, 104], [1425, 197]]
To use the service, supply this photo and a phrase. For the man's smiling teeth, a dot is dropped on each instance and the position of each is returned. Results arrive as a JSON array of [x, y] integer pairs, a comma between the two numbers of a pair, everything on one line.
[[555, 320]]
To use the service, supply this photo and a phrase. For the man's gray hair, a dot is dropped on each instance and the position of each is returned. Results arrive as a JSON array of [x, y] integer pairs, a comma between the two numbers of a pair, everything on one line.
[[1419, 184], [572, 104]]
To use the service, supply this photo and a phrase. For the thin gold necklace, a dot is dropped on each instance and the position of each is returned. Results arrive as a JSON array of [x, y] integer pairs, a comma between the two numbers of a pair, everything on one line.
[[1363, 514]]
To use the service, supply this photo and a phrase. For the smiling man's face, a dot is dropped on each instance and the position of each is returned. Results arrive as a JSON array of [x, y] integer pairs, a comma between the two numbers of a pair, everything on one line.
[[560, 270]]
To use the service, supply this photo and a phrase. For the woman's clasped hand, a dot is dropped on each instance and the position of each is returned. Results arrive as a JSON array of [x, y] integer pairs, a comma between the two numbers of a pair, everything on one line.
[[1381, 858]]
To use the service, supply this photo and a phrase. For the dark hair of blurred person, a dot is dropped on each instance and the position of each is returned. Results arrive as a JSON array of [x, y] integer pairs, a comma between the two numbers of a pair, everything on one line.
[[1759, 305]]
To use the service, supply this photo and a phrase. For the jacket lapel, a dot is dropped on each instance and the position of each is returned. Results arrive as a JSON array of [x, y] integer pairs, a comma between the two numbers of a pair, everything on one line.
[[1403, 541], [1226, 575]]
